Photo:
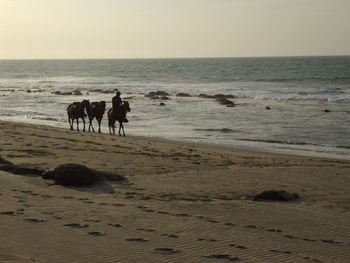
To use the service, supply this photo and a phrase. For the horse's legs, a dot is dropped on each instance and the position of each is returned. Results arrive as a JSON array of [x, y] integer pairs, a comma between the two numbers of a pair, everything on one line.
[[90, 124], [120, 126], [99, 124], [84, 123], [70, 123], [109, 125], [123, 129], [77, 124]]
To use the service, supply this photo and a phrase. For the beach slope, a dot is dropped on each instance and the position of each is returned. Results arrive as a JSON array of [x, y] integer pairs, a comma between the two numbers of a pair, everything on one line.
[[182, 202]]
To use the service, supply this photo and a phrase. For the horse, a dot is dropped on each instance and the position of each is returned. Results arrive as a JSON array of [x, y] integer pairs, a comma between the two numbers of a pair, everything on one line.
[[95, 109], [119, 116], [75, 111]]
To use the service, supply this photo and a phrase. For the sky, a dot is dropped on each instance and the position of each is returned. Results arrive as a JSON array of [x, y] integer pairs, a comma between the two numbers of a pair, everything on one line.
[[55, 29]]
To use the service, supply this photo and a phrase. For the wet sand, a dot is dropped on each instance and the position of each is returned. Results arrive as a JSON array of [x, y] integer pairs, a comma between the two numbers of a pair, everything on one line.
[[183, 202]]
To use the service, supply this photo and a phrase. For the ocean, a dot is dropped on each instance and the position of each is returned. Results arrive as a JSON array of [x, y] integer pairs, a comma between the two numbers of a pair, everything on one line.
[[308, 99]]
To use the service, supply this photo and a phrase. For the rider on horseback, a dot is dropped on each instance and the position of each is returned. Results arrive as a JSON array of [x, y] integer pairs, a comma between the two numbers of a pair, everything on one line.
[[116, 103]]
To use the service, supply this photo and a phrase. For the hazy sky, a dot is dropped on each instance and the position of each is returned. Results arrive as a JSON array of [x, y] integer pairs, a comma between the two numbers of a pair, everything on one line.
[[173, 28]]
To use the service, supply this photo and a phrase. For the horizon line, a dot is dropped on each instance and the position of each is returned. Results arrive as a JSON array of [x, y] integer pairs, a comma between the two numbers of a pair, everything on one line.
[[161, 58]]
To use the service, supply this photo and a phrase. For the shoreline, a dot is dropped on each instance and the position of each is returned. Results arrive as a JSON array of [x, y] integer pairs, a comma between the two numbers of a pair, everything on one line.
[[290, 152], [183, 202]]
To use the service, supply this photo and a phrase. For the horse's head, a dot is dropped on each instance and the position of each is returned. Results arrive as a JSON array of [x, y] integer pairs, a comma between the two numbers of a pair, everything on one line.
[[126, 106], [85, 103]]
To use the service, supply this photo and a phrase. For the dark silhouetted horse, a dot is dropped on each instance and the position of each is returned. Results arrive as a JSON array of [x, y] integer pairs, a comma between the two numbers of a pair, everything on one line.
[[75, 111], [95, 110], [119, 116]]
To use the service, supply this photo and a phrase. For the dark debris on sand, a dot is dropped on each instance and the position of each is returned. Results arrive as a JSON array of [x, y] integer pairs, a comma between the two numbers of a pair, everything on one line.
[[273, 195]]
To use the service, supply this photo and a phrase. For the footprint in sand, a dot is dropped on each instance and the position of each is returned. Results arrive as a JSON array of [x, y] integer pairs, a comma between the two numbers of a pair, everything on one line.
[[251, 227], [115, 225], [46, 196], [35, 220], [25, 191], [312, 259], [274, 230], [163, 212], [170, 235], [77, 225], [137, 239], [9, 213], [223, 256], [149, 210], [330, 241], [280, 251], [309, 240], [166, 250], [118, 204], [237, 246], [183, 215], [92, 220], [212, 221], [96, 233], [145, 229], [67, 197], [290, 237], [207, 239]]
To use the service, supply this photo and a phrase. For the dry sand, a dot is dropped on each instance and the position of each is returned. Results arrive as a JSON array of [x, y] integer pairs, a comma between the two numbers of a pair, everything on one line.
[[183, 202]]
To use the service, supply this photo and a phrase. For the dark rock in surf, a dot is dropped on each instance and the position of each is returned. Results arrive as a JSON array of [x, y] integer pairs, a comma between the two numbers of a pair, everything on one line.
[[156, 94], [224, 101], [104, 91], [216, 96], [65, 93], [326, 110], [205, 96], [267, 108], [280, 195], [224, 96], [77, 92], [183, 95], [162, 104]]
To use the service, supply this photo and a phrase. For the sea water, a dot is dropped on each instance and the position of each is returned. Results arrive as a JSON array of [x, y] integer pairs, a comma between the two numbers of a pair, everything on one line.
[[308, 97]]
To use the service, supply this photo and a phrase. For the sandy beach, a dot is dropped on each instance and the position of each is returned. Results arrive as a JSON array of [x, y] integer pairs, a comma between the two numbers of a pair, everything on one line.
[[183, 202]]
